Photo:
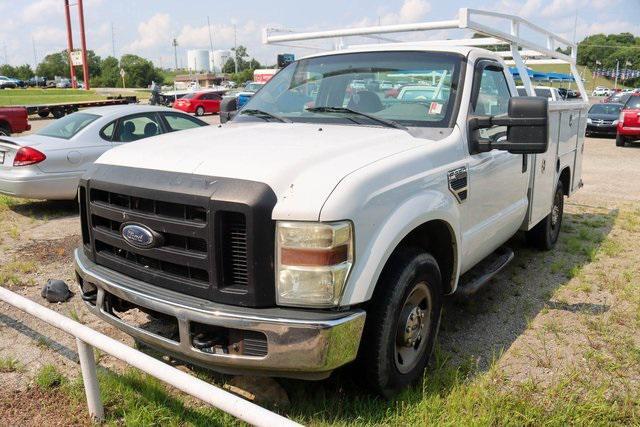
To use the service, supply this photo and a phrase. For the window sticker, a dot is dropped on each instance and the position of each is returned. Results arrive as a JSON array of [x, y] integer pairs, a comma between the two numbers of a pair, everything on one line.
[[435, 108]]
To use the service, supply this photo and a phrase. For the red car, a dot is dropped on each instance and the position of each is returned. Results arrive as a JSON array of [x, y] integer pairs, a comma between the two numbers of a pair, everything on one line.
[[13, 120], [629, 121], [200, 102]]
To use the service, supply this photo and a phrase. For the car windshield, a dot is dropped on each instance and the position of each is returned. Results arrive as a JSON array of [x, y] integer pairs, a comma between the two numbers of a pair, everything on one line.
[[610, 109], [66, 127], [633, 102], [189, 95], [335, 88]]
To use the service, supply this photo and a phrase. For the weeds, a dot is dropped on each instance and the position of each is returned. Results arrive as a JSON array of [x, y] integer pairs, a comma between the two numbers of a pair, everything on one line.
[[49, 377], [10, 364]]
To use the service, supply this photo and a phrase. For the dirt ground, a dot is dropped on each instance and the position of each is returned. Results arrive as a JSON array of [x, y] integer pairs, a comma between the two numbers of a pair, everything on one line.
[[532, 319]]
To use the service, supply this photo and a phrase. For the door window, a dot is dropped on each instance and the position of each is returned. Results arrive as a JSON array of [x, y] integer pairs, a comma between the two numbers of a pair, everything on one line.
[[182, 122], [493, 99], [142, 126], [107, 131]]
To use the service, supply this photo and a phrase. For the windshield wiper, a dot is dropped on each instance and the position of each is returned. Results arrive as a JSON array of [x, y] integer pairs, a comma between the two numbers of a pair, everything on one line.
[[343, 110], [264, 115]]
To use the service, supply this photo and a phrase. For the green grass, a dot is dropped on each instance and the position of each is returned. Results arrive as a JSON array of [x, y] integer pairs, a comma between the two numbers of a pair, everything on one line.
[[10, 364], [45, 96], [49, 377], [590, 83]]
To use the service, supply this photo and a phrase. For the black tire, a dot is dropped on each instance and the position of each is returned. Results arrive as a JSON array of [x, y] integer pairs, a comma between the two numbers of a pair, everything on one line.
[[57, 112], [620, 140], [545, 234], [4, 131], [44, 114], [409, 275], [200, 111]]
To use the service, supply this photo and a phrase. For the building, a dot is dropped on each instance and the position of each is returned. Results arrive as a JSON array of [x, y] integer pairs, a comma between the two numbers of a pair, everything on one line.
[[219, 58], [203, 80], [198, 60]]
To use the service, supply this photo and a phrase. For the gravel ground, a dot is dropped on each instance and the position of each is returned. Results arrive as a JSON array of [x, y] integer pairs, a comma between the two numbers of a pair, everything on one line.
[[44, 235]]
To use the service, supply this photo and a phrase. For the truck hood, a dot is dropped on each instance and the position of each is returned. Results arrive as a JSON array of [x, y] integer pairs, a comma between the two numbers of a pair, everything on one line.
[[302, 163]]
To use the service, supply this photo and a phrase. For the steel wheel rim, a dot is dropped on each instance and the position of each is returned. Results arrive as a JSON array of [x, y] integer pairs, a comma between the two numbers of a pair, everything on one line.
[[413, 328], [556, 215]]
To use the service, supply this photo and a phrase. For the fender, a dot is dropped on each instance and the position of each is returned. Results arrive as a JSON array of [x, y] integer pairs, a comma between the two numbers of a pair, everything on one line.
[[429, 205]]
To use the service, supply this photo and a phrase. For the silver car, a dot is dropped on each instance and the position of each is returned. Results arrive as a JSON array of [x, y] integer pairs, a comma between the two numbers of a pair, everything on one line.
[[49, 163]]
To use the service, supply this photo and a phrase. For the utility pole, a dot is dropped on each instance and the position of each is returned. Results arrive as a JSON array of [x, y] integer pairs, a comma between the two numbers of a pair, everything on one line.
[[83, 40], [615, 84], [209, 67], [235, 47], [113, 41], [35, 61], [175, 52]]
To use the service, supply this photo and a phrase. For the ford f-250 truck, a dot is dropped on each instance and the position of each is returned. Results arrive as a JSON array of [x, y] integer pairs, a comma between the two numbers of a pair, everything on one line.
[[326, 224]]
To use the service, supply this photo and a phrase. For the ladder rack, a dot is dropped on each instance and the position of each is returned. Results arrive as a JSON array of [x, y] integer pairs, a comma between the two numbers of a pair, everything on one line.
[[520, 45]]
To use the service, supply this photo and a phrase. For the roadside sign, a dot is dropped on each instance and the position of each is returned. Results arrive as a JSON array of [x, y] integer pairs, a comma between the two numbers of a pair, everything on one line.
[[76, 57], [122, 72]]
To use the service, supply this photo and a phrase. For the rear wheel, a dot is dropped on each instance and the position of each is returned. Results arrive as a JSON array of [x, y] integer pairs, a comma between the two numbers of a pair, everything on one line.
[[402, 322], [620, 140], [200, 111], [545, 234], [57, 112], [43, 114], [4, 131]]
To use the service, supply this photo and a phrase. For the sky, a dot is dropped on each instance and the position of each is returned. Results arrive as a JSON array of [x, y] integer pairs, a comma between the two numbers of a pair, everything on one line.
[[146, 27]]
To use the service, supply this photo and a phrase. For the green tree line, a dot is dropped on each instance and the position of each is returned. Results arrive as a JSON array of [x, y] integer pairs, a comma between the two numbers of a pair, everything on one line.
[[604, 50]]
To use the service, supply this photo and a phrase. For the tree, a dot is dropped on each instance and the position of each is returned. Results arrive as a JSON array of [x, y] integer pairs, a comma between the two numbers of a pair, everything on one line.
[[110, 73], [229, 66], [605, 50], [140, 71], [54, 64]]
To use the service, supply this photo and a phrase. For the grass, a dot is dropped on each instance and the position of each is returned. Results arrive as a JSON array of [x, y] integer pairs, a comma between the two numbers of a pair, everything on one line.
[[10, 364], [49, 377], [45, 96], [10, 272], [590, 83]]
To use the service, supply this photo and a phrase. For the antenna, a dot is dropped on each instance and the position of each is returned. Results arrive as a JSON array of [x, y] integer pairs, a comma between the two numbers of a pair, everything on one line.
[[235, 47]]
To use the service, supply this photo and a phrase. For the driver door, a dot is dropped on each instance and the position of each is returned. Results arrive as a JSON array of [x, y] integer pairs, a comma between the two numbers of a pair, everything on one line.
[[498, 180]]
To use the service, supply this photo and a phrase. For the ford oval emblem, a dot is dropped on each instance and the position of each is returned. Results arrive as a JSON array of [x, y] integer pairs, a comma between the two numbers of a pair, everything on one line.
[[139, 236]]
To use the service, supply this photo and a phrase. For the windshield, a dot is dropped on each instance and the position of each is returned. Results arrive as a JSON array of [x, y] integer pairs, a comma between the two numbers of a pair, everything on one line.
[[610, 109], [189, 95], [253, 87], [408, 88], [66, 127]]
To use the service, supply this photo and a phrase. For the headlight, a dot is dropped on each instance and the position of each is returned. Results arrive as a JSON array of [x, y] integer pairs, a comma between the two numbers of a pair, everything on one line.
[[615, 123], [313, 262], [588, 120]]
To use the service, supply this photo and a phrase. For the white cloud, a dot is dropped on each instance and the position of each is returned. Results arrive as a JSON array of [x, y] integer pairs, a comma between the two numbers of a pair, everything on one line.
[[42, 10], [152, 33], [47, 34]]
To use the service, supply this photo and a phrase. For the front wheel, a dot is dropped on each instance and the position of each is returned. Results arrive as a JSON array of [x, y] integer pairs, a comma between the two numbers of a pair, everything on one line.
[[4, 131], [545, 234], [200, 111], [402, 322], [620, 140]]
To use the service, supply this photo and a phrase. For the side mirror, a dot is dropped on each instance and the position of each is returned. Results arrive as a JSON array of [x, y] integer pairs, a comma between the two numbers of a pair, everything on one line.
[[527, 127], [228, 108]]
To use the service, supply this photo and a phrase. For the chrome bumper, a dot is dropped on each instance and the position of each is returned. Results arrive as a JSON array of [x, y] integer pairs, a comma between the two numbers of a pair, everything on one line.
[[300, 343]]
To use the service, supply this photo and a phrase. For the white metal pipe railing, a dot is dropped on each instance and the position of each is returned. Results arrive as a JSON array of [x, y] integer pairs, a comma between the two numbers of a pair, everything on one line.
[[87, 338]]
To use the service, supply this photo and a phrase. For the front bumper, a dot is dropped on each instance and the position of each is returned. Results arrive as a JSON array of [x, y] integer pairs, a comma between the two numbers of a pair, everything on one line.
[[602, 129], [300, 343]]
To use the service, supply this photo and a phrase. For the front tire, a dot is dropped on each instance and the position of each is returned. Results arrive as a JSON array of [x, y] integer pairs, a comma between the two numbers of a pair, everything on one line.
[[4, 131], [200, 111], [620, 140], [545, 234], [402, 322]]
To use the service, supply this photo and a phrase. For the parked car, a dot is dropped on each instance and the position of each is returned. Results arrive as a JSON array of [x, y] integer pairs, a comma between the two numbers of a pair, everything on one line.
[[13, 120], [629, 121], [7, 83], [551, 93], [200, 103], [49, 163], [300, 237], [601, 91], [617, 97], [602, 119], [37, 82], [63, 84]]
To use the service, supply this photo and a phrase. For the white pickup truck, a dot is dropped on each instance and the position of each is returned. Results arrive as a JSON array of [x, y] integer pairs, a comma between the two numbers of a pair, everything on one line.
[[325, 224]]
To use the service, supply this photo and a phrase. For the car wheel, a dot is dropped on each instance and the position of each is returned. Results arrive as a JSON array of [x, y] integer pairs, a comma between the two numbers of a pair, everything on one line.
[[4, 131], [402, 322], [620, 140], [200, 111], [545, 234], [43, 114], [57, 112]]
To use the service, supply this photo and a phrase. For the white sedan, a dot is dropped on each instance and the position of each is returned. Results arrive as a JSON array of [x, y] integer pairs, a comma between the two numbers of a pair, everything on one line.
[[49, 163]]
